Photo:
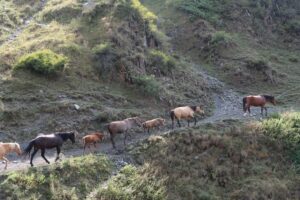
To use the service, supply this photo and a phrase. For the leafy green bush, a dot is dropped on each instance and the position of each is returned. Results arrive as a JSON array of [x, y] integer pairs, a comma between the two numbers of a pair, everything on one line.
[[131, 184], [221, 38], [147, 85], [43, 62], [162, 61], [257, 64], [285, 127]]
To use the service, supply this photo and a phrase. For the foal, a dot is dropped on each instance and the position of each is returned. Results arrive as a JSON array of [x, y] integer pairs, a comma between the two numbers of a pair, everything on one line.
[[9, 147], [90, 139], [185, 112]]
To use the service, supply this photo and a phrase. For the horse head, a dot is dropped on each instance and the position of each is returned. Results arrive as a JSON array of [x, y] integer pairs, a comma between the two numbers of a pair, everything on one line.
[[72, 135], [162, 121], [199, 109], [17, 149]]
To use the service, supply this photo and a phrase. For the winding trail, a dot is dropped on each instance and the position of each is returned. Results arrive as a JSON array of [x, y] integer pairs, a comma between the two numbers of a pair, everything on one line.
[[227, 106]]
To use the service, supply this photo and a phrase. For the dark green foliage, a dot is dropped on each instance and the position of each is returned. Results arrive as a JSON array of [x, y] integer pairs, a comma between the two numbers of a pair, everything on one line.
[[259, 65], [221, 38], [43, 62], [147, 85], [164, 63]]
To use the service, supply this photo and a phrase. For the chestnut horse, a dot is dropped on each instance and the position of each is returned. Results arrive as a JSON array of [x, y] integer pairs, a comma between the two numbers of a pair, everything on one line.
[[119, 127], [49, 141], [257, 101], [90, 139], [153, 123], [7, 148], [185, 112]]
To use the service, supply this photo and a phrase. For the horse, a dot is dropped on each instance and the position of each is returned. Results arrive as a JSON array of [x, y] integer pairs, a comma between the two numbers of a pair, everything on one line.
[[90, 139], [257, 101], [153, 123], [185, 112], [7, 148], [48, 141], [119, 127]]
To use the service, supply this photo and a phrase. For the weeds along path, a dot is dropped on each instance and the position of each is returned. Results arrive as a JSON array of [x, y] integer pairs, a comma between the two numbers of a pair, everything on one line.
[[227, 106]]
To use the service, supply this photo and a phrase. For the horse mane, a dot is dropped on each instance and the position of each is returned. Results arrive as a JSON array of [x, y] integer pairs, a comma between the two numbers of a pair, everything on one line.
[[268, 97], [193, 108], [64, 135]]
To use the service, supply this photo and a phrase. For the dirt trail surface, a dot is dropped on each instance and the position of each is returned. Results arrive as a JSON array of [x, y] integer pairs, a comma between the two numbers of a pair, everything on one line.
[[227, 106]]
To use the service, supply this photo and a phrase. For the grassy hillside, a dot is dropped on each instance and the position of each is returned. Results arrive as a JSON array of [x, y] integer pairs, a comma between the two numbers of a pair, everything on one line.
[[225, 160], [251, 45], [116, 58]]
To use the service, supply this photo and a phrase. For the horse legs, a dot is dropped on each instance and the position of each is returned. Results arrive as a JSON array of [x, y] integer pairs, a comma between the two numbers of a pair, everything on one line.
[[125, 136], [84, 148], [172, 124], [188, 122], [195, 121], [266, 111], [43, 155], [6, 161], [112, 140], [148, 131], [262, 111], [58, 152], [35, 150], [178, 123]]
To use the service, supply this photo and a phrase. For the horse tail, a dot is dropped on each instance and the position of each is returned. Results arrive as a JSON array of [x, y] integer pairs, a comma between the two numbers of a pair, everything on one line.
[[244, 104], [29, 147], [172, 115]]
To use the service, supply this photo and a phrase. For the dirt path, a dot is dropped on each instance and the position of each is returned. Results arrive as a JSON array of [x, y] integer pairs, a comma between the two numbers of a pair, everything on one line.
[[227, 106]]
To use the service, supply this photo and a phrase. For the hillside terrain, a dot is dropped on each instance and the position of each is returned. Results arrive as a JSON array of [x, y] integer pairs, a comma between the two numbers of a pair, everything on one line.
[[113, 59]]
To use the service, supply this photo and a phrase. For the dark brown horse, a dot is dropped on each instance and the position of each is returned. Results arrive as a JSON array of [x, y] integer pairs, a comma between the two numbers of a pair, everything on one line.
[[50, 141], [257, 101], [118, 127]]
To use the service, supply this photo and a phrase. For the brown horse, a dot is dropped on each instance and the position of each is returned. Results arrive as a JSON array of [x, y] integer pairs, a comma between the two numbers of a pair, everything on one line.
[[7, 148], [92, 138], [257, 101], [118, 127], [185, 112], [153, 123], [50, 141]]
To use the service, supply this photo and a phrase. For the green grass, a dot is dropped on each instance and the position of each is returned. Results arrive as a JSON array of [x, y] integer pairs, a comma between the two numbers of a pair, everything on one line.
[[132, 183], [73, 178]]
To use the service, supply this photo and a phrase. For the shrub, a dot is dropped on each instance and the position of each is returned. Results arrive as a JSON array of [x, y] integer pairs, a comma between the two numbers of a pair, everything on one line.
[[258, 64], [221, 38], [147, 85], [285, 127], [162, 61], [102, 48], [43, 62]]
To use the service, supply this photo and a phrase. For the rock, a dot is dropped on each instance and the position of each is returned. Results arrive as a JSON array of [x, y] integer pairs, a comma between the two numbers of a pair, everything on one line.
[[77, 107]]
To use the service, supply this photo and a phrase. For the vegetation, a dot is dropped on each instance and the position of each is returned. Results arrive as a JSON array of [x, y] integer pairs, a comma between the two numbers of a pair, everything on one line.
[[147, 85], [209, 162], [43, 62], [286, 128], [132, 183], [164, 63], [59, 181]]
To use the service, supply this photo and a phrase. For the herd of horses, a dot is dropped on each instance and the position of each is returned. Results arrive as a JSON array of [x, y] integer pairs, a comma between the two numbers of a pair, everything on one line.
[[56, 140]]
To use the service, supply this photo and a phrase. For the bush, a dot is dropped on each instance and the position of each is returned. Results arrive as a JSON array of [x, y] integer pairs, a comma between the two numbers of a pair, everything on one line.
[[101, 49], [43, 62], [285, 127], [259, 64], [162, 61], [221, 38], [147, 85]]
